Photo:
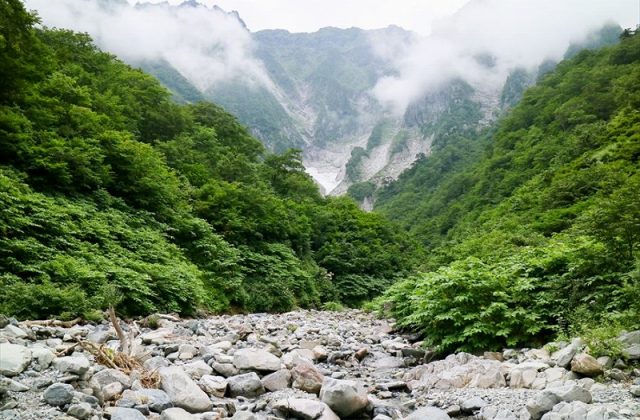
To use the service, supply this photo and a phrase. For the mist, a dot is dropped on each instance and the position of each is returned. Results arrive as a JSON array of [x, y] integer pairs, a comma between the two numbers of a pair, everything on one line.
[[515, 33], [206, 45]]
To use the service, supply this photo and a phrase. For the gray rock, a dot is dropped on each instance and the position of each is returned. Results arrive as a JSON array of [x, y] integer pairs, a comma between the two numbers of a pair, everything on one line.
[[541, 404], [215, 386], [121, 413], [344, 397], [155, 363], [635, 390], [77, 365], [256, 359], [182, 391], [106, 377], [42, 358], [633, 352], [307, 378], [564, 356], [277, 380], [630, 338], [11, 385], [225, 369], [304, 409], [110, 392], [176, 413], [13, 331], [585, 364], [572, 392], [58, 394], [14, 359], [156, 399], [473, 404], [430, 413], [245, 415], [197, 369], [80, 411], [247, 385]]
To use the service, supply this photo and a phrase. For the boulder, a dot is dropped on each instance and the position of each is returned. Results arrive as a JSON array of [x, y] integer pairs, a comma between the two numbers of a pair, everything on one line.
[[256, 359], [42, 358], [587, 365], [431, 413], [247, 385], [344, 397], [571, 392], [307, 378], [277, 381], [473, 404], [14, 359], [106, 377], [183, 391], [58, 394], [304, 409], [156, 399], [564, 356]]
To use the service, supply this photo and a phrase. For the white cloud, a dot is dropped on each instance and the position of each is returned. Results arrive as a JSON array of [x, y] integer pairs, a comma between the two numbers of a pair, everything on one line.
[[515, 32], [205, 45]]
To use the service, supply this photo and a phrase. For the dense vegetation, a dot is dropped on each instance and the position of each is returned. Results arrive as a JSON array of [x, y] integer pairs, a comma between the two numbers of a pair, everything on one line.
[[112, 193], [533, 227]]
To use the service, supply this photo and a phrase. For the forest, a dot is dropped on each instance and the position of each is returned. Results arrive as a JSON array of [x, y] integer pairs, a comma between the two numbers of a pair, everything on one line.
[[112, 194]]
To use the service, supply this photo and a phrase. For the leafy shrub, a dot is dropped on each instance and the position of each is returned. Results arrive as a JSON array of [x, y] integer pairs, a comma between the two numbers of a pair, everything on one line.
[[333, 306]]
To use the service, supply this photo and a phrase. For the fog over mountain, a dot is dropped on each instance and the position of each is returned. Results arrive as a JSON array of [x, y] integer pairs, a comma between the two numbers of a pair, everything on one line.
[[362, 104]]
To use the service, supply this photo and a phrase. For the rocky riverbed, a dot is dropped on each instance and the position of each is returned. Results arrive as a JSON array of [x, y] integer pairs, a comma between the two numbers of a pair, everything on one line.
[[305, 365]]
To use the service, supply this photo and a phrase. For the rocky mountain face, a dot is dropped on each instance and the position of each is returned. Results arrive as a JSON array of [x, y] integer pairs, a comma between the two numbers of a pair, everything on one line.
[[319, 99], [303, 365]]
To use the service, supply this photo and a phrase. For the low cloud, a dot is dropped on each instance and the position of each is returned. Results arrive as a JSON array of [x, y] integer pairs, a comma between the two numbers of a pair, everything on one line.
[[515, 33], [206, 45]]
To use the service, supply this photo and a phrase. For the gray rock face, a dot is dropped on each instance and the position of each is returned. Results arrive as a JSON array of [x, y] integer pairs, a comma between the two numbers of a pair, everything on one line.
[[184, 393], [247, 385], [564, 356], [430, 413], [305, 409], [344, 397], [121, 413], [58, 394], [277, 380], [256, 359], [176, 413], [14, 359]]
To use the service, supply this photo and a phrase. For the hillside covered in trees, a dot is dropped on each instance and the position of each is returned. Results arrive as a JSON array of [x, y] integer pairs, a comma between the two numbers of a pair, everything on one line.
[[111, 193], [531, 228]]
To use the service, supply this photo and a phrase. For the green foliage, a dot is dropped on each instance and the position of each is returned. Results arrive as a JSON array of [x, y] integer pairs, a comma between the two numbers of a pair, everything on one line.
[[542, 208], [333, 307], [110, 193]]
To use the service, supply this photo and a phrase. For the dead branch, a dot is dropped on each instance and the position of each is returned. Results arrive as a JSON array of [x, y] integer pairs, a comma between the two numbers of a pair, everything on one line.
[[53, 323], [124, 342]]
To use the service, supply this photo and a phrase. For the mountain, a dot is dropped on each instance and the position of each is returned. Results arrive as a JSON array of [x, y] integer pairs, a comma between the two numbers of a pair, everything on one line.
[[531, 227]]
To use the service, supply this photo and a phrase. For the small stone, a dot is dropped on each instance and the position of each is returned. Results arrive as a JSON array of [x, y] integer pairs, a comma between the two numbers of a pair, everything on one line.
[[256, 359], [307, 378], [121, 413], [58, 394], [77, 365], [225, 369], [247, 385], [344, 397], [473, 404], [80, 411], [176, 413], [277, 381], [183, 391], [215, 386], [361, 353], [430, 413]]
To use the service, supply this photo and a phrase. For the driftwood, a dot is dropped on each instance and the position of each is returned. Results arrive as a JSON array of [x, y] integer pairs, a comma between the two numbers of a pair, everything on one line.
[[53, 323]]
